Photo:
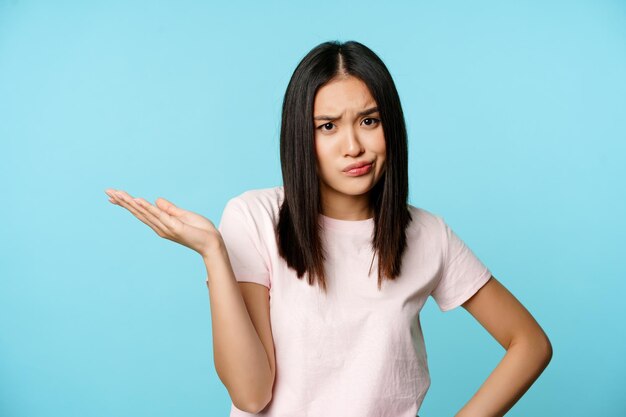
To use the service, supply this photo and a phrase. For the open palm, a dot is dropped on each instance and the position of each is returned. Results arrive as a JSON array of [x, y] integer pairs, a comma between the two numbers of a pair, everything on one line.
[[170, 222]]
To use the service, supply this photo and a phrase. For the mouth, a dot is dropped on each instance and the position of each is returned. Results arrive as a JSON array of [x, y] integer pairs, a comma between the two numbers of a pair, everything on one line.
[[358, 164], [359, 169]]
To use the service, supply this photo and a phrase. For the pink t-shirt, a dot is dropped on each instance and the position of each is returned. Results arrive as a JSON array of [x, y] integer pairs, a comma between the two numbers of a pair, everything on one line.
[[355, 351]]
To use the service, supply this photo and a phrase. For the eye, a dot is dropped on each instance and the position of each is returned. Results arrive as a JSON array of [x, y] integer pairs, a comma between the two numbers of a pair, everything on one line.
[[372, 121], [326, 126]]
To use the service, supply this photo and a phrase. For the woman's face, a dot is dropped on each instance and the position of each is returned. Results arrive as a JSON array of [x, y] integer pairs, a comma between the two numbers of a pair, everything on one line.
[[348, 130]]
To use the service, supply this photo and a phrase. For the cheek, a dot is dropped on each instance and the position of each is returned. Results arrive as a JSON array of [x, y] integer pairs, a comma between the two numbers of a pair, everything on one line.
[[322, 154], [381, 150], [378, 145], [381, 142]]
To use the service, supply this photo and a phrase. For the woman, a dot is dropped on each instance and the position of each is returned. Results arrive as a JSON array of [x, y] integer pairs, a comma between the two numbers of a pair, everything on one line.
[[316, 286]]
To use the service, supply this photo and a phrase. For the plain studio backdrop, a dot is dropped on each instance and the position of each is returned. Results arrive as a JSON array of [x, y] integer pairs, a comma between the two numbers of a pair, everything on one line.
[[516, 114]]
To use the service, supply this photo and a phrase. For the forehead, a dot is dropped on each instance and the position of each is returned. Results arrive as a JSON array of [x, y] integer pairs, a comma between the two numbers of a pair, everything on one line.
[[343, 93]]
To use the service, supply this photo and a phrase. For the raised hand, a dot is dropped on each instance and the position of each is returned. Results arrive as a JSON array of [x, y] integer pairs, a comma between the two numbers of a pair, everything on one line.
[[171, 222]]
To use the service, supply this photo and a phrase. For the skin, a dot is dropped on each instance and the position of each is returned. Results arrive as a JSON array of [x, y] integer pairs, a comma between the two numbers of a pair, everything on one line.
[[343, 137], [346, 137], [528, 350], [171, 222], [240, 314]]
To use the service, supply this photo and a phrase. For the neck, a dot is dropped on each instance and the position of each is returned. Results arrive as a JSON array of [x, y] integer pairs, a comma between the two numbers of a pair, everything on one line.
[[346, 207]]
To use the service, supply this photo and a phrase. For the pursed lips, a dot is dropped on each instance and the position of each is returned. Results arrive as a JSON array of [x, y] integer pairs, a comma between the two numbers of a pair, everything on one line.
[[357, 165]]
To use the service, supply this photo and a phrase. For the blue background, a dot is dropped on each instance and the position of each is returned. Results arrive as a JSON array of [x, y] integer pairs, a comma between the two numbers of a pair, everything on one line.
[[517, 137]]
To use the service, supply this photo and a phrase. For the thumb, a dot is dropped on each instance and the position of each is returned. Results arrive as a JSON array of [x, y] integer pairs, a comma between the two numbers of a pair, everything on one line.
[[168, 207]]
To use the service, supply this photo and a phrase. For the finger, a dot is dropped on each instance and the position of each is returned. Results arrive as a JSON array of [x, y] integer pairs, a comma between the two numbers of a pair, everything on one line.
[[161, 221], [111, 196], [127, 202], [168, 207], [142, 214], [168, 221], [154, 214]]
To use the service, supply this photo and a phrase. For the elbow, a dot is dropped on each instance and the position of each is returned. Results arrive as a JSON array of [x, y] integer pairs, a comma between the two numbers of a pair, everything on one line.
[[547, 348], [261, 398], [254, 406], [541, 349], [537, 347], [250, 394], [263, 403], [253, 401], [544, 347]]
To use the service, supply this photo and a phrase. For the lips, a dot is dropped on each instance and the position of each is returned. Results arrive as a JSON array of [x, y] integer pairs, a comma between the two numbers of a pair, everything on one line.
[[357, 165]]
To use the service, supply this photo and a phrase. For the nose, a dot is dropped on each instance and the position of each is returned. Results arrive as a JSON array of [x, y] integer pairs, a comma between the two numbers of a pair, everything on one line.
[[352, 145]]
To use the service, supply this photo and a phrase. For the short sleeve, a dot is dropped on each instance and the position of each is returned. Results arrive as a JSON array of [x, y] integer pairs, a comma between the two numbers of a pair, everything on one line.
[[463, 273], [244, 243]]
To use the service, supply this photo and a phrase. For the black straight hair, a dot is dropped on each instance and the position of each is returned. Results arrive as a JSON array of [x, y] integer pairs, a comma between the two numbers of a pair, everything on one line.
[[298, 228]]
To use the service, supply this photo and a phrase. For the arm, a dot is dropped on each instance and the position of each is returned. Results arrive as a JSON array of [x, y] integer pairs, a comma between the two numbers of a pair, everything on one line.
[[239, 313], [243, 353], [528, 350]]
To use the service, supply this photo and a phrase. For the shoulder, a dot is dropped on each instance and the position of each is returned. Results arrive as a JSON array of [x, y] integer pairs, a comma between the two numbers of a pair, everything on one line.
[[262, 196], [426, 226], [260, 203], [424, 219]]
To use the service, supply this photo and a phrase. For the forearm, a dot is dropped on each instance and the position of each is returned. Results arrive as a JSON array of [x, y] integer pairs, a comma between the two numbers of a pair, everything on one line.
[[522, 364], [240, 359]]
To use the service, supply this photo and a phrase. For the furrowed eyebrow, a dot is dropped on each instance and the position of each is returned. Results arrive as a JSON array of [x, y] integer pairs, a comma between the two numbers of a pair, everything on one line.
[[363, 113], [368, 111]]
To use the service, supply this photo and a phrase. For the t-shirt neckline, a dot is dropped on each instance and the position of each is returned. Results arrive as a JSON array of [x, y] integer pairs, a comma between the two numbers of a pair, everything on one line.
[[364, 225]]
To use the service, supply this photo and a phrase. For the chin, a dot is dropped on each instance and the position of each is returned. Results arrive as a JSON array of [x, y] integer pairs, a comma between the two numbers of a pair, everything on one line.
[[355, 189]]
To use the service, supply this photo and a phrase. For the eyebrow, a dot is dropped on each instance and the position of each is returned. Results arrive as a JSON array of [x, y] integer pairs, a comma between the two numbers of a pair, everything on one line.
[[363, 113]]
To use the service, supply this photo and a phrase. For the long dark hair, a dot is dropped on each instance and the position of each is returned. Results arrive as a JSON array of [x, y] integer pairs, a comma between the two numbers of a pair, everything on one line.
[[298, 227]]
